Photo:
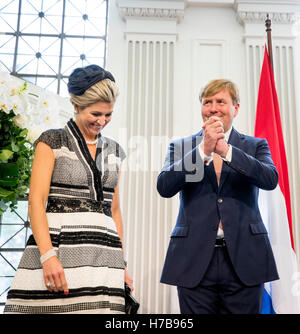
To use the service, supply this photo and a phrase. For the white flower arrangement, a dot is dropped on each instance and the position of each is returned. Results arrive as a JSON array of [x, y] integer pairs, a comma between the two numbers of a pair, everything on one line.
[[32, 112], [23, 117]]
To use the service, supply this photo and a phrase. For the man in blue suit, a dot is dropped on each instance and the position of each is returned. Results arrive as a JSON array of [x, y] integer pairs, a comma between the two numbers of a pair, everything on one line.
[[219, 254]]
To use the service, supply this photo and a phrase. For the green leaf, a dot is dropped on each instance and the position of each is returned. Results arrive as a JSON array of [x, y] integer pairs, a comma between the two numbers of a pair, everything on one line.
[[5, 193], [14, 147], [8, 169], [8, 182], [5, 154], [23, 133], [3, 206], [23, 189]]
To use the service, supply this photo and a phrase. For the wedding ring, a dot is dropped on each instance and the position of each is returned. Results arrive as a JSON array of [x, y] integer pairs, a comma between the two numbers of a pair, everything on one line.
[[49, 284]]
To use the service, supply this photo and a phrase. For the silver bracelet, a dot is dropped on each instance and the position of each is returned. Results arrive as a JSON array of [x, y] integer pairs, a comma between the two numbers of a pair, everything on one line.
[[47, 255]]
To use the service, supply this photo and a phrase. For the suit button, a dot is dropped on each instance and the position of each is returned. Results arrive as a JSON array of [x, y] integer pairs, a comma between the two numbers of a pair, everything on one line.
[[220, 200]]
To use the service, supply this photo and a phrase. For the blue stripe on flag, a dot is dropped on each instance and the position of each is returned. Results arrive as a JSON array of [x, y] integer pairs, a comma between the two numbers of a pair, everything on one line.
[[267, 307]]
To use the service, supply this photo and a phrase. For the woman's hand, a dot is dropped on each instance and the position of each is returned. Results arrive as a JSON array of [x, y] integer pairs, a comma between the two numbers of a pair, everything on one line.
[[128, 280], [54, 276]]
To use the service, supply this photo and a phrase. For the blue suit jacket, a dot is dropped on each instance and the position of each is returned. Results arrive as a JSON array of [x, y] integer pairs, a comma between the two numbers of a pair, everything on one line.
[[203, 204]]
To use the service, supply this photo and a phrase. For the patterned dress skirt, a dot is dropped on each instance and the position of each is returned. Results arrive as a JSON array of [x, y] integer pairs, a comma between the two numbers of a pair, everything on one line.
[[90, 251]]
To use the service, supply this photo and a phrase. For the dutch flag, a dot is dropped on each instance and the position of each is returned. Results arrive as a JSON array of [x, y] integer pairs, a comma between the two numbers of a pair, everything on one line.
[[281, 296]]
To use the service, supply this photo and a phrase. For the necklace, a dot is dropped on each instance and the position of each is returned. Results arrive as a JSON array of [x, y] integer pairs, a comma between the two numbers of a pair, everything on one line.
[[92, 142]]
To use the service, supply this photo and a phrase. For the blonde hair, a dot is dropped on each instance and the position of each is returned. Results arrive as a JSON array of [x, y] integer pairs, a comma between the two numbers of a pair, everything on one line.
[[105, 91], [217, 85]]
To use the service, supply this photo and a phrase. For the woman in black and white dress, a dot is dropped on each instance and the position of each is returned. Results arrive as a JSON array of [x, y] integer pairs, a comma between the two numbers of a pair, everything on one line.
[[73, 262]]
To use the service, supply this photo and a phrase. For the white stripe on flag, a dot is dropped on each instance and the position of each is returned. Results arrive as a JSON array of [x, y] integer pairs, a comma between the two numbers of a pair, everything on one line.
[[285, 292]]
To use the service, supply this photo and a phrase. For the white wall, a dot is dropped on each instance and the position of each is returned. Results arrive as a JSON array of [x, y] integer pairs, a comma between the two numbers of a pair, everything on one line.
[[206, 50], [195, 41]]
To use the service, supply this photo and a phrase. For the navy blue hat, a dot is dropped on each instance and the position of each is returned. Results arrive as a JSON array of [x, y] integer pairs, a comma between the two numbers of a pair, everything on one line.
[[83, 78]]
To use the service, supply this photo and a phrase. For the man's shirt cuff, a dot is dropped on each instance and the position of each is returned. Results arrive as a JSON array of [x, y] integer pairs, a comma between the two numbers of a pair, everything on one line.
[[228, 155], [208, 158]]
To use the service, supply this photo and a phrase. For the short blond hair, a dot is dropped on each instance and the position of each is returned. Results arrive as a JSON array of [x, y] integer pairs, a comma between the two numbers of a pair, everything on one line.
[[105, 91], [217, 85]]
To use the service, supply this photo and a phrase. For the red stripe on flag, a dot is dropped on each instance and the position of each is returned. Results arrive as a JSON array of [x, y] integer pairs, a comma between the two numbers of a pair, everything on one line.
[[268, 125]]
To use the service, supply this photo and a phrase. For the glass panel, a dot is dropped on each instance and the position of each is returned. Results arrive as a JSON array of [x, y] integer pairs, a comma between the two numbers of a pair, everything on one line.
[[8, 22], [69, 63], [95, 26], [22, 209], [10, 217], [13, 258], [44, 67], [8, 44], [48, 83], [73, 25], [5, 283], [53, 7], [42, 44], [9, 262], [94, 48], [64, 88], [93, 60], [85, 18], [96, 8], [45, 48], [26, 64], [30, 7], [9, 6], [90, 26], [72, 46], [53, 63], [88, 47], [13, 236], [30, 79], [40, 53], [51, 25], [28, 45], [75, 8], [6, 62], [50, 46], [102, 9], [30, 23]]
